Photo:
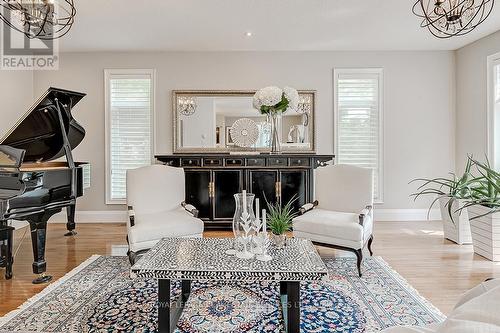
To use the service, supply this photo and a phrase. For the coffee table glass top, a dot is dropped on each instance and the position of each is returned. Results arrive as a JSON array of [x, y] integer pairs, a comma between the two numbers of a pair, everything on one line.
[[206, 259]]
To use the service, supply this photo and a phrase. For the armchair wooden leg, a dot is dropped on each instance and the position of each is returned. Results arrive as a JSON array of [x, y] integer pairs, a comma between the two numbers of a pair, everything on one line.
[[370, 241], [359, 255]]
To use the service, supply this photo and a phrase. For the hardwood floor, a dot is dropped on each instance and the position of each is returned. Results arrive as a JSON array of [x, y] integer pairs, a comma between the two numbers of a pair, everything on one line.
[[440, 270]]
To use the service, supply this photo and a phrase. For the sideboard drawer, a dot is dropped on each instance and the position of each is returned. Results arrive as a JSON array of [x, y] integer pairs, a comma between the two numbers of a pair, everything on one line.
[[191, 162], [299, 161], [173, 162], [277, 161], [234, 162], [212, 162], [259, 162]]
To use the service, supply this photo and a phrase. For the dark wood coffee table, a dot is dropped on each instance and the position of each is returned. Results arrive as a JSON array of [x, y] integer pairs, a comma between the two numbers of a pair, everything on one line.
[[205, 259]]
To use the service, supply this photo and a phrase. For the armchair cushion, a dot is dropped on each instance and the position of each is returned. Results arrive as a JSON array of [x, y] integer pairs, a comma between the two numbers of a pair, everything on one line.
[[478, 291], [149, 228], [479, 314], [333, 227]]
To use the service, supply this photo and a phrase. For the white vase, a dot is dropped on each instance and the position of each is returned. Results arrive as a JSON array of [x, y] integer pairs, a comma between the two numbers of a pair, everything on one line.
[[458, 229], [485, 232]]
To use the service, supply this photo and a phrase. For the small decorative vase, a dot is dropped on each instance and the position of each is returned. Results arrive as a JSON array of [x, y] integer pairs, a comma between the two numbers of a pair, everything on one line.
[[275, 135], [243, 225], [279, 240]]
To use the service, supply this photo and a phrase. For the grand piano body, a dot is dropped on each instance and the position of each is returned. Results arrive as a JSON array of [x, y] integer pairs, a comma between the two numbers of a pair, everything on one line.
[[33, 186]]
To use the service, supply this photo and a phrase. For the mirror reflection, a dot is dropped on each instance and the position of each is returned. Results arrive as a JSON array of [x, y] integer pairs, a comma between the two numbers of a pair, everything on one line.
[[207, 121]]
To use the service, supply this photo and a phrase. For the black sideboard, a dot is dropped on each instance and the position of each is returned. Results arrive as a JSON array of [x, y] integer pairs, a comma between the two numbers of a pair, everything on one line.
[[213, 179]]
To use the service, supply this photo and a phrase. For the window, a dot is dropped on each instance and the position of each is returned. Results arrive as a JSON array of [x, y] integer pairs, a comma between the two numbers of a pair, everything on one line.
[[129, 124], [358, 121], [494, 110]]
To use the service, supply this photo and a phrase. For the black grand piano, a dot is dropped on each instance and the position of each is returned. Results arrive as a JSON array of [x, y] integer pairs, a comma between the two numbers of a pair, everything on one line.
[[33, 186]]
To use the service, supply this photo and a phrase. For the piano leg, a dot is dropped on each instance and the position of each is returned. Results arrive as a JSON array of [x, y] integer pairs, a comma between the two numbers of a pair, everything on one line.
[[6, 254], [38, 228], [9, 256], [70, 211]]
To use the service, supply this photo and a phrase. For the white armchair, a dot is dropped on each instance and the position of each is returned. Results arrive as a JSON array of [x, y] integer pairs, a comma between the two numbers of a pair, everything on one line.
[[476, 312], [156, 209], [341, 216]]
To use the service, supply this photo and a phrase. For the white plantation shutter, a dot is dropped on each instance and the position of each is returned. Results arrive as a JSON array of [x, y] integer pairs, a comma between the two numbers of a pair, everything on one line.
[[358, 121], [130, 110], [494, 117], [497, 82]]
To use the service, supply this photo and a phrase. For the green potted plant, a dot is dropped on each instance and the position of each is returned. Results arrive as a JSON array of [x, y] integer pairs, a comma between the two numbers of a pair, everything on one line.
[[280, 220], [479, 194], [450, 193], [483, 205]]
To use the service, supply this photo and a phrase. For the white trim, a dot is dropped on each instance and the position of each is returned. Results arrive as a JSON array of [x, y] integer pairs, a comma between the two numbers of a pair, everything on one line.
[[107, 123], [91, 216], [382, 215], [492, 61], [369, 70], [120, 216]]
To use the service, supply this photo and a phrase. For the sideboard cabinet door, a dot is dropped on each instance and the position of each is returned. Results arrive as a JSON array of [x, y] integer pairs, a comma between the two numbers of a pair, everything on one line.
[[197, 191], [227, 183], [294, 183], [262, 183]]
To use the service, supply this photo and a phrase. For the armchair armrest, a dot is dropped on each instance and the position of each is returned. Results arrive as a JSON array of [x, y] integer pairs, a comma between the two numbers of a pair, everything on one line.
[[131, 215], [362, 215], [478, 290], [190, 209], [307, 207]]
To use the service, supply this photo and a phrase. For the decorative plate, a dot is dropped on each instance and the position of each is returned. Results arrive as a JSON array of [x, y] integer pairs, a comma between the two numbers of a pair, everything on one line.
[[244, 132]]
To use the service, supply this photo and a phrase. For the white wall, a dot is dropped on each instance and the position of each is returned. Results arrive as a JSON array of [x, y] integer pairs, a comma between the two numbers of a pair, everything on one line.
[[472, 97], [16, 96], [419, 95]]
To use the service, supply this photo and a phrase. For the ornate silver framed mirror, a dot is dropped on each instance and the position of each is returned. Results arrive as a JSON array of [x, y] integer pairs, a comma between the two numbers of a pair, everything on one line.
[[203, 120]]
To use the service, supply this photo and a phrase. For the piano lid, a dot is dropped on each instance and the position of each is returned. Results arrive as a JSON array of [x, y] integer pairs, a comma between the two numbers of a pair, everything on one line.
[[39, 131]]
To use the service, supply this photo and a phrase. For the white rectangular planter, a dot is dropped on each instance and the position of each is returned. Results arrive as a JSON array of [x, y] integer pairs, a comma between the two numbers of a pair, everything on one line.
[[485, 232], [458, 230]]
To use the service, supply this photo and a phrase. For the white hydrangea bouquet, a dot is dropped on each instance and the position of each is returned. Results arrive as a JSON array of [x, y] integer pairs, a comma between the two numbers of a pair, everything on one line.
[[273, 100]]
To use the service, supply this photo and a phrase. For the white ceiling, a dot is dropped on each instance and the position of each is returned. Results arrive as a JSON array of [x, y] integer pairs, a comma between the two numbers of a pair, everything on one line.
[[220, 25]]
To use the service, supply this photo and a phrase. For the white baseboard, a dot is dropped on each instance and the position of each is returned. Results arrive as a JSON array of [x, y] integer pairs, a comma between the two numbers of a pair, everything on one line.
[[120, 216], [84, 216], [382, 215], [92, 216]]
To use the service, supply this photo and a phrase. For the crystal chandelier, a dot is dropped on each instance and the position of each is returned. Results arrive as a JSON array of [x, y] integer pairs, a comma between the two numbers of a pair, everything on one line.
[[304, 105], [448, 18], [42, 19], [186, 106]]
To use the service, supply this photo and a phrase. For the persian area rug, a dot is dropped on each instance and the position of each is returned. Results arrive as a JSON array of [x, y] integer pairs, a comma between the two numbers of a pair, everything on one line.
[[99, 296]]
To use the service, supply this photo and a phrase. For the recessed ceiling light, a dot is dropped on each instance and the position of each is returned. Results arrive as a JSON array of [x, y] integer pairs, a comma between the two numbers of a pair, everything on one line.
[[248, 34]]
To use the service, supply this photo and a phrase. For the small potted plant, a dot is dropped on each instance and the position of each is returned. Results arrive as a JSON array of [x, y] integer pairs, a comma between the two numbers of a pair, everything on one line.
[[280, 221]]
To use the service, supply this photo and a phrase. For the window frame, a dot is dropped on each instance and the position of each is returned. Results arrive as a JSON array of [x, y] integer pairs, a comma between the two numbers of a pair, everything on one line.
[[108, 74], [492, 61], [371, 71]]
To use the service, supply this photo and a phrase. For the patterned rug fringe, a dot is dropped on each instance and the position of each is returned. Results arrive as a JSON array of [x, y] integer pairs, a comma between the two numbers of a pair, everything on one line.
[[408, 286], [48, 289]]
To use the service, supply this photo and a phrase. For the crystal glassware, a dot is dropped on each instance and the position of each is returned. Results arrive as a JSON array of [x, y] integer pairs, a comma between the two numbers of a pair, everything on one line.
[[263, 244], [242, 222]]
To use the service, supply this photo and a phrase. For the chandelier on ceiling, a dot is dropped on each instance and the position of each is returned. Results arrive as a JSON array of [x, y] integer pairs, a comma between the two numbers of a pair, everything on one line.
[[186, 106], [448, 18], [42, 19]]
